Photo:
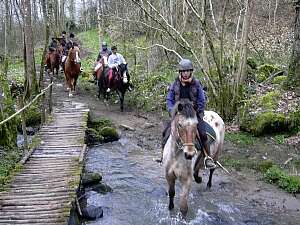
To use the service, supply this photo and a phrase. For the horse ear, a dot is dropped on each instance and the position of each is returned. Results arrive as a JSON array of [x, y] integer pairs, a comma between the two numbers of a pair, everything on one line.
[[180, 107]]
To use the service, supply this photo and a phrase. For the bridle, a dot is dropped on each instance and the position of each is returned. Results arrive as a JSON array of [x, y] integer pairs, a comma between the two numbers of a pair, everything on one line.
[[179, 142]]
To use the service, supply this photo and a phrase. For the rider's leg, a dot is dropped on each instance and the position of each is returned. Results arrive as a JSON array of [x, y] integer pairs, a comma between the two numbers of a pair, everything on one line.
[[209, 163], [165, 135], [109, 78]]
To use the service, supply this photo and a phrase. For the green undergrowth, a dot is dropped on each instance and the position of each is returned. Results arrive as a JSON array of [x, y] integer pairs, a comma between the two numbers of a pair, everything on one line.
[[9, 166], [241, 138], [269, 171], [276, 175], [151, 89]]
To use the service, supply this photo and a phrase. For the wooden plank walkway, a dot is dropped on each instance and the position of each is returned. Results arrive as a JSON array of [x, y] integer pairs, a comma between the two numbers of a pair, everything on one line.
[[41, 194]]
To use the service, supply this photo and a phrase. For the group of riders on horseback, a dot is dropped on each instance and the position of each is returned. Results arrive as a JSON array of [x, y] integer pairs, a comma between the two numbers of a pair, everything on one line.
[[186, 86]]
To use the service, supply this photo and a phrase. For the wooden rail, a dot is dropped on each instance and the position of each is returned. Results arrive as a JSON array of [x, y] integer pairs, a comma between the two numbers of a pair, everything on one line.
[[26, 106]]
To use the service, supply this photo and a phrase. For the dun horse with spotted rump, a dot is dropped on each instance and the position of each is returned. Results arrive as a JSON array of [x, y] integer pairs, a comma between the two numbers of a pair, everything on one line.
[[180, 149]]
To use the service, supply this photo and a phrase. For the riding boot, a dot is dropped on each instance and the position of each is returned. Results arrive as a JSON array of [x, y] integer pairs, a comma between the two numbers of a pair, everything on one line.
[[209, 162]]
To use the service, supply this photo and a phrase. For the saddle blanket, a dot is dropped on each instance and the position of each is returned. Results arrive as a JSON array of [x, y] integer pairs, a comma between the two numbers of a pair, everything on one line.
[[97, 67]]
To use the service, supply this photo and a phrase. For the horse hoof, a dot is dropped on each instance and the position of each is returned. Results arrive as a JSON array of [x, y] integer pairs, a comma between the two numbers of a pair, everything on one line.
[[197, 179], [171, 206]]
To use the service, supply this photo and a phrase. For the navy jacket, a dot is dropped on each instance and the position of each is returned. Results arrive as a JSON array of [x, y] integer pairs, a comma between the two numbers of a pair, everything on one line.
[[196, 95]]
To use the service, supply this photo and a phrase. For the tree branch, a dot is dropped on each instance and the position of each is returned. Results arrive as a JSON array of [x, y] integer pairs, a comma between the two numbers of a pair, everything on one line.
[[162, 46]]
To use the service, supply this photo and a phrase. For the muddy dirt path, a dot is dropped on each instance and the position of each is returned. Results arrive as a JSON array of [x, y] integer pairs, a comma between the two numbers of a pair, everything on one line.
[[265, 201]]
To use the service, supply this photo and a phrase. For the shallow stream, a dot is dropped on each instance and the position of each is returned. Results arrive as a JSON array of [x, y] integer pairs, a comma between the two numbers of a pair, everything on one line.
[[139, 193]]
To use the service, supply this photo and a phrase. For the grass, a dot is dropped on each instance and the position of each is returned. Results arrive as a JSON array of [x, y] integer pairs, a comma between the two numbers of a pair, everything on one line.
[[271, 172], [276, 175], [241, 138], [9, 166]]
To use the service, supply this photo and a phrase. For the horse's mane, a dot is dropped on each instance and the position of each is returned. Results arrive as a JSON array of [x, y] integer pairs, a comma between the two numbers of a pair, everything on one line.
[[184, 107], [123, 67]]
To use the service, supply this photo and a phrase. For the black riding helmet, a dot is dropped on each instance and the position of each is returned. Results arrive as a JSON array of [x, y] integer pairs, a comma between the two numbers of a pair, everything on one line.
[[72, 35]]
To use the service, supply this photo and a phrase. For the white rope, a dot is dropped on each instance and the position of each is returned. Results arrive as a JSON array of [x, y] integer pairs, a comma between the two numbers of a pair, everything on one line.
[[26, 106]]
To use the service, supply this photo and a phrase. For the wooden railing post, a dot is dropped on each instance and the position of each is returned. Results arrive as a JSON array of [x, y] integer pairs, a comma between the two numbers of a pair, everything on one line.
[[50, 94], [23, 119]]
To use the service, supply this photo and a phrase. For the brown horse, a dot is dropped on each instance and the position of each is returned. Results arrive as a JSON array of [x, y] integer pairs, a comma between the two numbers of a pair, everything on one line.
[[72, 69], [101, 64], [53, 61], [119, 82]]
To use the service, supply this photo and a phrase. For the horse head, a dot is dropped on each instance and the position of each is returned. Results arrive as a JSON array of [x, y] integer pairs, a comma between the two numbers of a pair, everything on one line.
[[73, 54], [123, 73], [184, 127]]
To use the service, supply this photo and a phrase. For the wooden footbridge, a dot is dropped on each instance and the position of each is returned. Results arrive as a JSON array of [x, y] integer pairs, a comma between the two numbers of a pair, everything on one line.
[[43, 192]]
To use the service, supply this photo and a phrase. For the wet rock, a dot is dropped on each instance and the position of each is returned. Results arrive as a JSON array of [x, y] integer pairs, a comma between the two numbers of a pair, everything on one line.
[[92, 212], [30, 131], [92, 136], [91, 178], [148, 125], [109, 134], [102, 188]]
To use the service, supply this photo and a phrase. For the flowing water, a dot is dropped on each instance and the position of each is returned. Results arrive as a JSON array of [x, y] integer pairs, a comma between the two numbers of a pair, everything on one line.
[[139, 193]]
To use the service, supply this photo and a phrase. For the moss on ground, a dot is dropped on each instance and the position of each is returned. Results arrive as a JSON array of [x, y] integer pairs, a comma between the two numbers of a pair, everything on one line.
[[265, 71], [9, 166]]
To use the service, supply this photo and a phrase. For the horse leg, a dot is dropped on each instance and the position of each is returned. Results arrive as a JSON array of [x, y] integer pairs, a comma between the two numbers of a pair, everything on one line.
[[171, 183], [209, 183], [186, 187], [197, 166], [121, 98], [70, 83]]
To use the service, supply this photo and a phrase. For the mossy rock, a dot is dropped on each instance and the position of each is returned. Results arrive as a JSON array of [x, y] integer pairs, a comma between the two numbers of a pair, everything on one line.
[[91, 178], [110, 134], [252, 62], [92, 136], [279, 79], [266, 123], [102, 188], [99, 123], [258, 115], [269, 100], [265, 70]]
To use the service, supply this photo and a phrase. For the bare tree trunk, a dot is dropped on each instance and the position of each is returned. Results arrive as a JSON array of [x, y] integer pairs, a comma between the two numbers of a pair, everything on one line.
[[6, 30], [72, 9], [275, 11], [47, 34], [84, 14], [244, 47], [62, 15], [294, 67], [100, 10], [30, 77]]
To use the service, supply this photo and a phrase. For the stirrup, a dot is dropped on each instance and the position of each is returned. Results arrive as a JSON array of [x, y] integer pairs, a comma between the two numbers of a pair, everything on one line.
[[211, 159]]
